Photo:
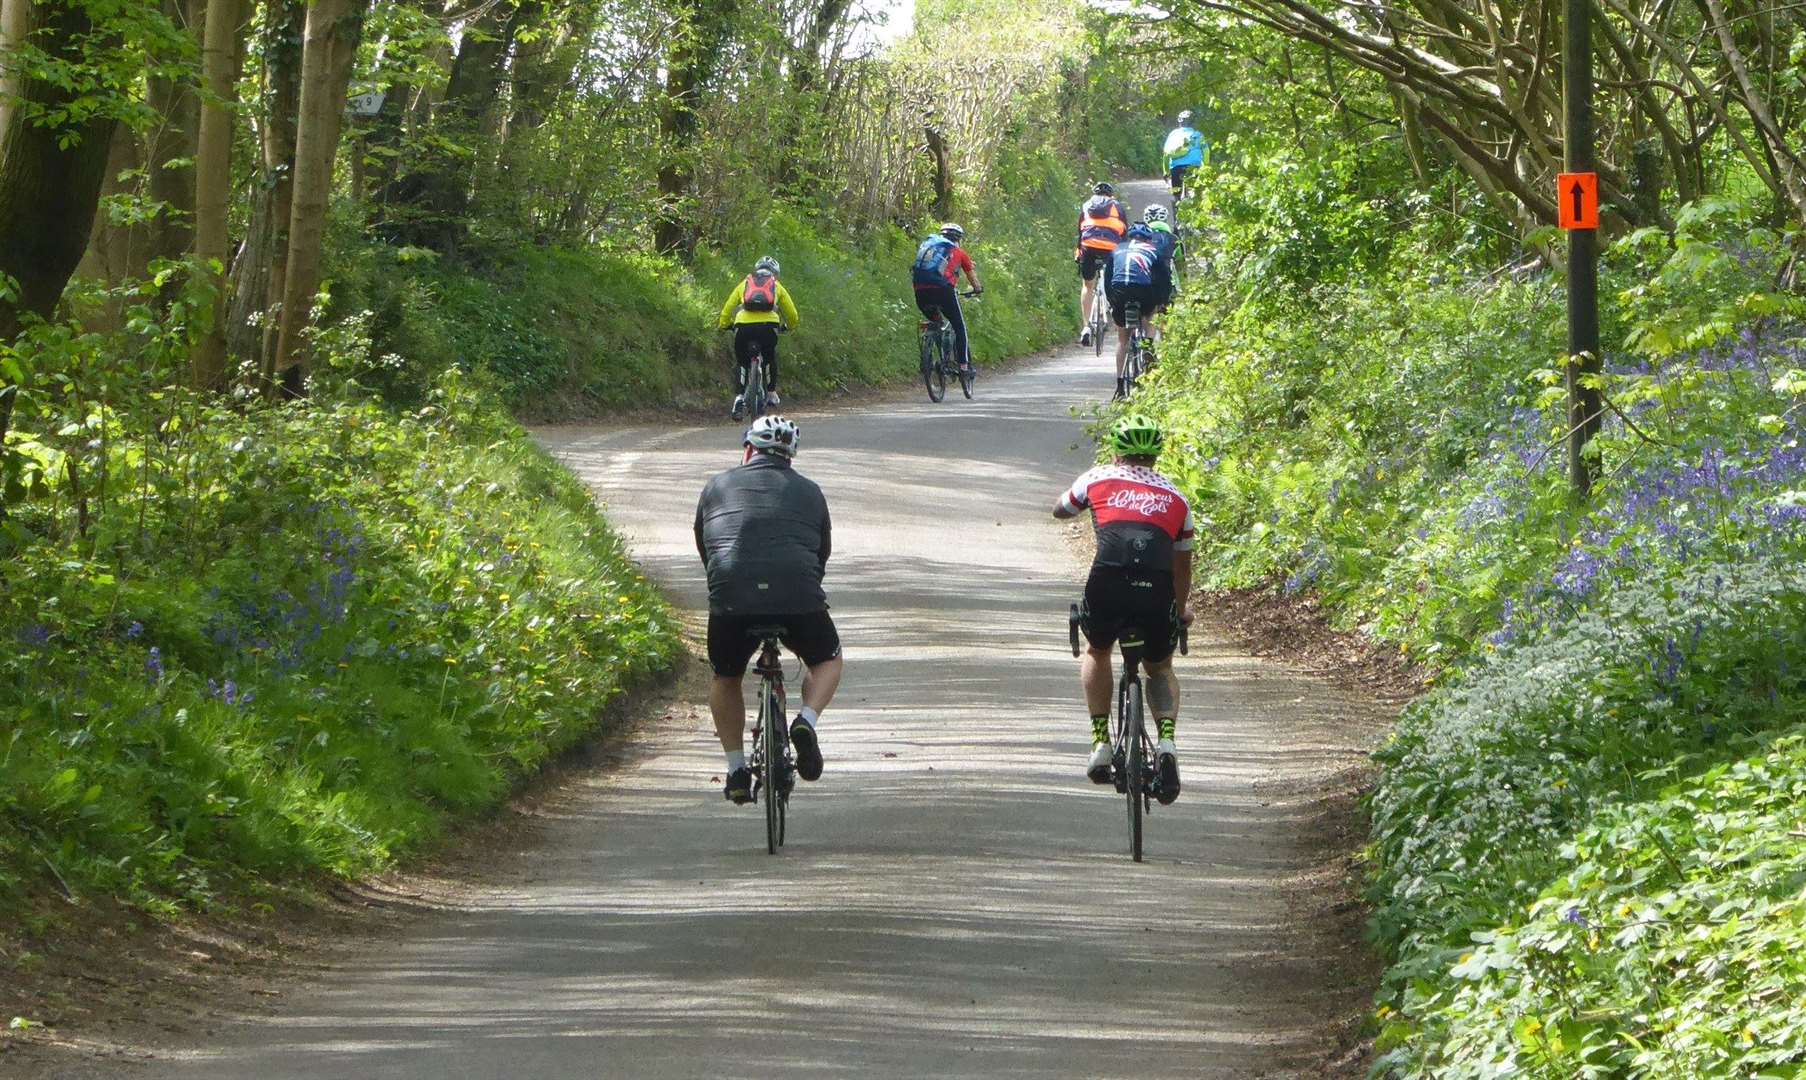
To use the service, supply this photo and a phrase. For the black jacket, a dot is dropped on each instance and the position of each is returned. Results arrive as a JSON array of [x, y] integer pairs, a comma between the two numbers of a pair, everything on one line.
[[763, 533]]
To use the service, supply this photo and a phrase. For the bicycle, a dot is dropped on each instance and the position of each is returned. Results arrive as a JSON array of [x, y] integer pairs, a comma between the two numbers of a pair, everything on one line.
[[1132, 766], [1141, 347], [937, 361], [771, 739], [1098, 323]]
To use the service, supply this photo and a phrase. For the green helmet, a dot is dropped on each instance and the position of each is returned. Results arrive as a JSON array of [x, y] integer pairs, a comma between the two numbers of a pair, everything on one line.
[[1136, 435]]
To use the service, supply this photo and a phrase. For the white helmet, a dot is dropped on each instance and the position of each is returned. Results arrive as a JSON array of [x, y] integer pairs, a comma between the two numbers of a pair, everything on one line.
[[1185, 117], [773, 435], [1154, 212]]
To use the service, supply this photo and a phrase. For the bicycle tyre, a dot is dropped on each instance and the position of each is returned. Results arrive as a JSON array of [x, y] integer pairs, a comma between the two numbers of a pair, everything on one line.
[[755, 389], [965, 383], [774, 771], [1136, 763], [1097, 322], [932, 375]]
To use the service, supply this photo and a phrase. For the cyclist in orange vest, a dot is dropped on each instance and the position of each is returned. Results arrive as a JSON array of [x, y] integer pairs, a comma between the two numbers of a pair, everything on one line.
[[1102, 223]]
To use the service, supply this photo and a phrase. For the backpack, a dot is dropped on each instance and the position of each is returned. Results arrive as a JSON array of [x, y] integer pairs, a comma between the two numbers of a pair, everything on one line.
[[931, 260], [761, 291]]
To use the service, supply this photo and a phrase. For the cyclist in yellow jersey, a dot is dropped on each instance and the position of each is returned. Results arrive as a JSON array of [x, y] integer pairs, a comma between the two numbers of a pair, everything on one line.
[[756, 310]]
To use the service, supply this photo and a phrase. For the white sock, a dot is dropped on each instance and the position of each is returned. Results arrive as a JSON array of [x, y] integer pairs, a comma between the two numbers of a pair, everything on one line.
[[736, 759], [807, 716]]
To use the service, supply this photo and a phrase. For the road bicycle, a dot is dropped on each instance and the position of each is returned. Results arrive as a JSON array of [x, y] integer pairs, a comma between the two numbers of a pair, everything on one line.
[[773, 769], [1141, 347], [1132, 768], [938, 361], [1098, 323]]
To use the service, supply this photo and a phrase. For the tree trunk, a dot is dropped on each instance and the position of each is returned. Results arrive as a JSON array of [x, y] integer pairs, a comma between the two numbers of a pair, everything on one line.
[[113, 250], [213, 181], [689, 63], [287, 29], [943, 170], [333, 28], [15, 23], [171, 139], [50, 180]]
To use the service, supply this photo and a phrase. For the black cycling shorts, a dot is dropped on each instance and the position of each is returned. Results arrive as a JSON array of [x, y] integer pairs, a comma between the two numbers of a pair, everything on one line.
[[810, 635], [1148, 296], [1091, 260], [1131, 607], [1177, 178]]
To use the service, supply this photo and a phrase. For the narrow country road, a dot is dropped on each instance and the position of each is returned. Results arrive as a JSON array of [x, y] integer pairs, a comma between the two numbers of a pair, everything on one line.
[[955, 900]]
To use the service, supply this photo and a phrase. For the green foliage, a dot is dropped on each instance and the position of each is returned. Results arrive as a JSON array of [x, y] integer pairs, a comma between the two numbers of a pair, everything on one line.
[[247, 643], [572, 332]]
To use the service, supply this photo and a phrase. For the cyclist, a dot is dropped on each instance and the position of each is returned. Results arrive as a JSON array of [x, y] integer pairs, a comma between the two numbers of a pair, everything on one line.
[[757, 309], [939, 261], [1155, 218], [1102, 222], [1184, 150], [763, 533], [1139, 586], [1139, 275]]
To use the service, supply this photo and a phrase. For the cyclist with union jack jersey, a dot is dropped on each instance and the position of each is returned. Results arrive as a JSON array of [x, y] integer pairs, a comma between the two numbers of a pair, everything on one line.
[[1139, 587]]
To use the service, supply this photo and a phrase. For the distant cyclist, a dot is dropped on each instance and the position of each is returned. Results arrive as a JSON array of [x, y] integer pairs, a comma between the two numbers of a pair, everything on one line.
[[1184, 151], [757, 309], [763, 533], [1102, 223], [1155, 218], [1139, 587], [939, 261], [1138, 275]]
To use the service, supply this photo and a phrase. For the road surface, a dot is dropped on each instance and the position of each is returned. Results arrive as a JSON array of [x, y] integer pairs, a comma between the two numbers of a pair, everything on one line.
[[956, 900]]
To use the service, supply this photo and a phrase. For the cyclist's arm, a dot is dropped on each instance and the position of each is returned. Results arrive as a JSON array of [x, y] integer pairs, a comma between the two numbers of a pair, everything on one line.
[[827, 537], [1074, 500], [729, 309], [1182, 583], [787, 308], [701, 549]]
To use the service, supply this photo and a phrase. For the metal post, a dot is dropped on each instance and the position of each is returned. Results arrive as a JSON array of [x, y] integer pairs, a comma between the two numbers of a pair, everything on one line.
[[1584, 404]]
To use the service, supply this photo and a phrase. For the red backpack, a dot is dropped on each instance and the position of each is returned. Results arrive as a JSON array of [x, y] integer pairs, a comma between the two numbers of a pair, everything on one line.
[[760, 292]]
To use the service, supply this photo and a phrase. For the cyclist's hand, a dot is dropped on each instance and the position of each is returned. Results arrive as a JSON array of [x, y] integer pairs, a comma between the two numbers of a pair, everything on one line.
[[978, 290], [1185, 615]]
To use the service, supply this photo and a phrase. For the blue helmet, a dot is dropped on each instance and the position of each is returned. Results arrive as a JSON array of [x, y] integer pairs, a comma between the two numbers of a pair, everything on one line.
[[1140, 231]]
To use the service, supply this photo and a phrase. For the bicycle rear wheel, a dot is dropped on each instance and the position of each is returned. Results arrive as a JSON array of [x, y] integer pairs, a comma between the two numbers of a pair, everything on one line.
[[1097, 322], [770, 721], [755, 388], [932, 375], [965, 381], [1131, 706]]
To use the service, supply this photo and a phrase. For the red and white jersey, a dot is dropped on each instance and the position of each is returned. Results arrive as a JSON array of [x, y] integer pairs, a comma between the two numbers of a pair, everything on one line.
[[1123, 495]]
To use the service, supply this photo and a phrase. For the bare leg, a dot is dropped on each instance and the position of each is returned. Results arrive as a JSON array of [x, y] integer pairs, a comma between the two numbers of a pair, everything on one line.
[[728, 706], [820, 682], [1122, 350], [1095, 675], [1087, 296], [1163, 690]]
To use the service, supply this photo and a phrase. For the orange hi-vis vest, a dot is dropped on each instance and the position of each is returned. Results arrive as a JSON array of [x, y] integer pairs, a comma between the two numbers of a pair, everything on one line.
[[1101, 224]]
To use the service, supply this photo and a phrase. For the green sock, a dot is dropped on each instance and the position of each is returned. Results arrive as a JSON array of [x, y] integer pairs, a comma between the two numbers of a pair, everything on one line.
[[1166, 725], [1100, 728]]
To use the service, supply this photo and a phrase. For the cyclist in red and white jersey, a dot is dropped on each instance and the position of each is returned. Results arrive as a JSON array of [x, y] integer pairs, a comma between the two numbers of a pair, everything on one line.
[[1140, 586]]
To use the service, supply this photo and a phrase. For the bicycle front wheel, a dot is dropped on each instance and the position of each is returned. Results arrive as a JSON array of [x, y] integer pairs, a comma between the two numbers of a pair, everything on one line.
[[771, 721], [1137, 761]]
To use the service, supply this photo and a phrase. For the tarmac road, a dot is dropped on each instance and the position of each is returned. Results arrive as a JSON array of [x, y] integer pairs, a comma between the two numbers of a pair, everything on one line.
[[955, 900]]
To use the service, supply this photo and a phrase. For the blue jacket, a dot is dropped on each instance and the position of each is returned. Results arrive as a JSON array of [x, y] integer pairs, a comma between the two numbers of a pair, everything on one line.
[[1184, 146]]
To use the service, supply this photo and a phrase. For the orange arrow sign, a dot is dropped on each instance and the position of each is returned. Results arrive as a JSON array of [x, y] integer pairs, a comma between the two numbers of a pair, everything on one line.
[[1577, 200]]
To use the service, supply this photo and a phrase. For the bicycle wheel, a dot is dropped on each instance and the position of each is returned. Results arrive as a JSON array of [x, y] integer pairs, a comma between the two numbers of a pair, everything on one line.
[[932, 375], [965, 382], [769, 722], [1097, 322], [755, 388], [1137, 760]]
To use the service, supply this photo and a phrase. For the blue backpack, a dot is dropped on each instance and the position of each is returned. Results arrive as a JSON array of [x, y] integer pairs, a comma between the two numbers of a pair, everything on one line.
[[931, 261]]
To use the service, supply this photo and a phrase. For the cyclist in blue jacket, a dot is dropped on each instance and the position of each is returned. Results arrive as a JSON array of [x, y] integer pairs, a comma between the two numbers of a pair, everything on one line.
[[1184, 150], [1138, 275], [939, 262]]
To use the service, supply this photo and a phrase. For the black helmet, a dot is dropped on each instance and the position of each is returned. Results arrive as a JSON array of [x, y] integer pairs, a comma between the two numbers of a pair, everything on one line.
[[1104, 187]]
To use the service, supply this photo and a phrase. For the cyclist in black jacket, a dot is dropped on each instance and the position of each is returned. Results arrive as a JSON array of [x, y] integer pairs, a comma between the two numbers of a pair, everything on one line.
[[764, 536]]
